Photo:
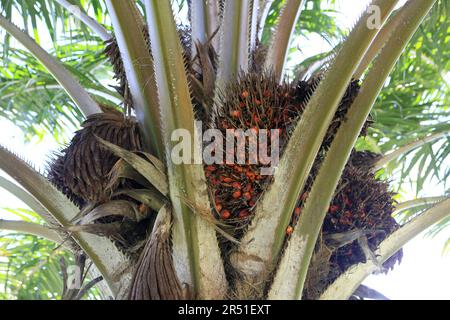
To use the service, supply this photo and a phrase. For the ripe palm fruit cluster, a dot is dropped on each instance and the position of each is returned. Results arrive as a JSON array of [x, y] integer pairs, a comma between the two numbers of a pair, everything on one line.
[[362, 206], [363, 203], [257, 101], [253, 103], [81, 169]]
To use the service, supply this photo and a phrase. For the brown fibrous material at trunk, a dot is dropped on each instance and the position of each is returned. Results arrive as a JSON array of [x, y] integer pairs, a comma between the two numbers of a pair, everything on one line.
[[155, 277]]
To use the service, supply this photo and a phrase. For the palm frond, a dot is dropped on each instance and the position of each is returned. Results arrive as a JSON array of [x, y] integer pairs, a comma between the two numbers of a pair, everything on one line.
[[72, 87], [195, 247], [98, 249]]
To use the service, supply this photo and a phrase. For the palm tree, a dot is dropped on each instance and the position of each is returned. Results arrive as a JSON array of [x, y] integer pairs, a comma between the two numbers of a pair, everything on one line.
[[157, 229]]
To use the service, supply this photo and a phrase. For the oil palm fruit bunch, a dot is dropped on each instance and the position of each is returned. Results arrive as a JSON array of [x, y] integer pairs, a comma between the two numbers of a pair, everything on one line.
[[186, 229], [361, 207], [257, 101], [92, 177], [81, 169]]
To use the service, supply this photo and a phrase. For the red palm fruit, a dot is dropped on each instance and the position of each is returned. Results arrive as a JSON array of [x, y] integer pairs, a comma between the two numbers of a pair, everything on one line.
[[235, 113], [237, 185], [225, 214], [247, 195], [237, 194], [250, 175], [245, 94], [244, 214], [218, 207], [297, 211], [226, 179], [289, 230]]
